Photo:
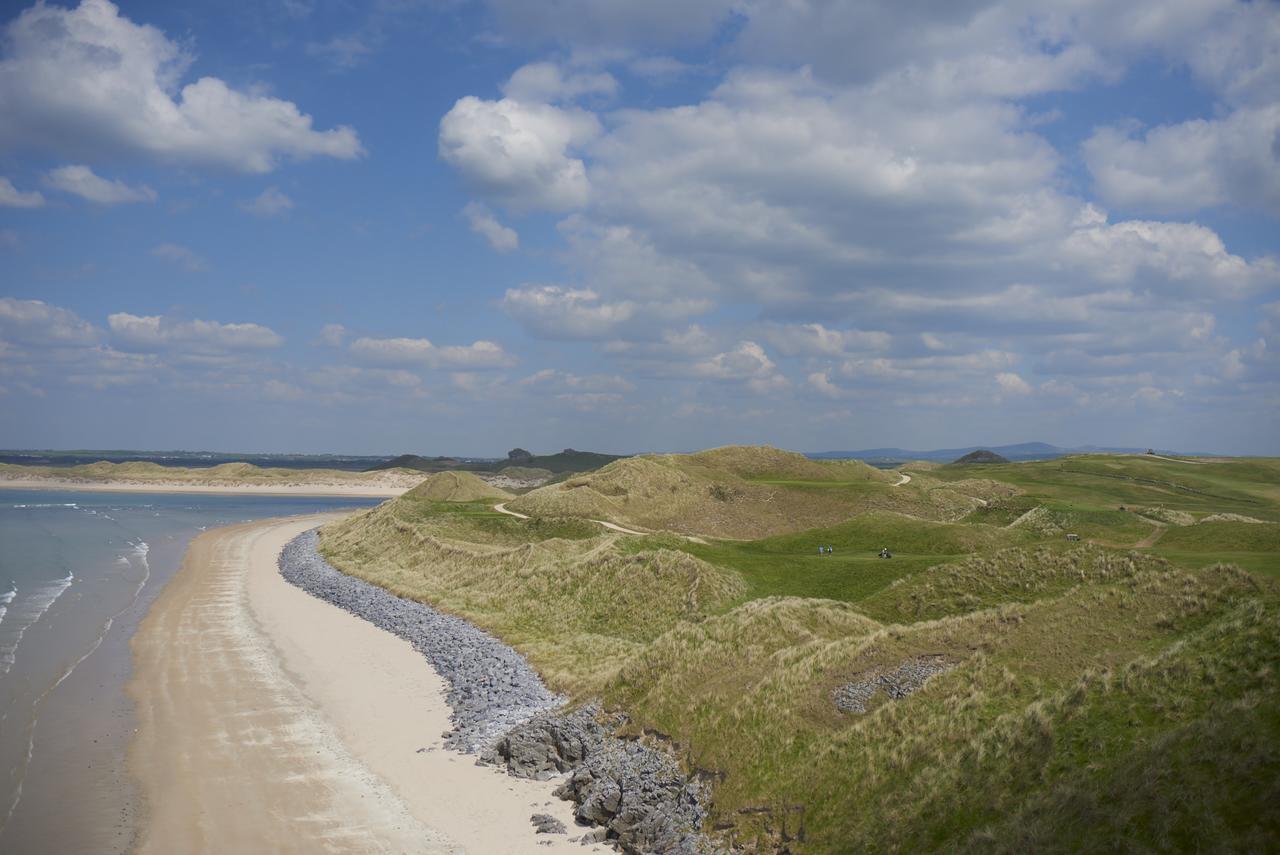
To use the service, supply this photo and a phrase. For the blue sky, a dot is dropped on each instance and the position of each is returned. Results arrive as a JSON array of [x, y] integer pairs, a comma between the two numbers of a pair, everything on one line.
[[453, 227]]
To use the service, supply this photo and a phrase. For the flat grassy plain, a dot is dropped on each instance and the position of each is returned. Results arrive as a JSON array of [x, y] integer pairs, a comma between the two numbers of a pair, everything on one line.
[[1116, 693]]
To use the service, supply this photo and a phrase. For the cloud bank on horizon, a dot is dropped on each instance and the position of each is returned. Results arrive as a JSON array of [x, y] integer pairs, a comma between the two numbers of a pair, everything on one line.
[[460, 226]]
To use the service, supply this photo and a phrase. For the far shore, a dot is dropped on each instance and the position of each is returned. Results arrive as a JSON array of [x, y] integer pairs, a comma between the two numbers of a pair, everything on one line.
[[323, 490]]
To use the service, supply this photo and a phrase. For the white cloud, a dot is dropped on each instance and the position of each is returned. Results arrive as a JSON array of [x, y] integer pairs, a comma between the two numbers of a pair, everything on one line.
[[568, 381], [269, 203], [747, 362], [88, 80], [333, 335], [485, 224], [421, 351], [12, 197], [1011, 384], [561, 313], [39, 323], [185, 257], [153, 333], [519, 153], [545, 82], [80, 180], [1167, 257], [817, 340], [1183, 168]]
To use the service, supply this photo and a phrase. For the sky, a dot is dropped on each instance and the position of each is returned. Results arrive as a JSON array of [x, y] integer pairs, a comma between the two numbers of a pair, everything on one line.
[[458, 226]]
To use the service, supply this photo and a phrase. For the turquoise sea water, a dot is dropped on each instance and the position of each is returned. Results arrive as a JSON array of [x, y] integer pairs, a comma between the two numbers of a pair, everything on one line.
[[77, 574]]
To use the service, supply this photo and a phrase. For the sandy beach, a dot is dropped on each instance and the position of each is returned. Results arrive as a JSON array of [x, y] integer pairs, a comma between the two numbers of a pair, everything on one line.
[[336, 490], [272, 721]]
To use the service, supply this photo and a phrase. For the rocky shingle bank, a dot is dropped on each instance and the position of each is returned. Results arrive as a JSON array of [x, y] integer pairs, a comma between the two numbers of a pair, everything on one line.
[[637, 795], [897, 684]]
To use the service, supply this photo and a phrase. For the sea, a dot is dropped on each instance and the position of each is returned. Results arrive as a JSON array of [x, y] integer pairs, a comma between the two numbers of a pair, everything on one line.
[[78, 572]]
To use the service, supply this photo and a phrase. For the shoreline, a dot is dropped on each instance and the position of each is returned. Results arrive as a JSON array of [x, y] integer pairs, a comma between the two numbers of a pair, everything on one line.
[[317, 490], [272, 720]]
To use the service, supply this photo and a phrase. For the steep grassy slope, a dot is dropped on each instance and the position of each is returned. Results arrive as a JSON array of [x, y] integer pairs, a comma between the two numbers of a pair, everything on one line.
[[1085, 696], [577, 605]]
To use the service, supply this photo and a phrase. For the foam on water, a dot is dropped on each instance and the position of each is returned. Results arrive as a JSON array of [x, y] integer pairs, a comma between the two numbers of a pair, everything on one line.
[[6, 598], [26, 612]]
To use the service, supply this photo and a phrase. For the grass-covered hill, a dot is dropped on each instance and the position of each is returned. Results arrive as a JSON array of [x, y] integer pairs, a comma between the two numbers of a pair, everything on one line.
[[992, 687], [457, 487]]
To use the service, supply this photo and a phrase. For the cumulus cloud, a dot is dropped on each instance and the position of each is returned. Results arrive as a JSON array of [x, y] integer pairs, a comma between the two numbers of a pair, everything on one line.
[[269, 203], [153, 333], [519, 154], [88, 80], [1011, 384], [420, 351], [40, 323], [80, 180], [12, 197], [547, 82], [1167, 257], [1183, 168], [485, 224], [185, 257], [562, 313]]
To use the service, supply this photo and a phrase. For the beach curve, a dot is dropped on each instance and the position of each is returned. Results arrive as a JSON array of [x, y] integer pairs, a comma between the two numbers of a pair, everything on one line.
[[269, 718]]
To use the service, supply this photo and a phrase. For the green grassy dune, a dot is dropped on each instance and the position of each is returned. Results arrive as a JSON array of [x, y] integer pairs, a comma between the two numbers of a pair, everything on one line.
[[1118, 693]]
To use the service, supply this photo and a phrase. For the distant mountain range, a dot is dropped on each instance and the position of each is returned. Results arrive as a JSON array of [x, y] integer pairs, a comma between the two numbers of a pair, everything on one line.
[[1020, 451]]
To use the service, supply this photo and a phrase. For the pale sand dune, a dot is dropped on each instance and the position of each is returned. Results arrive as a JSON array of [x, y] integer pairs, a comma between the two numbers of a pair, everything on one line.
[[272, 721], [363, 491]]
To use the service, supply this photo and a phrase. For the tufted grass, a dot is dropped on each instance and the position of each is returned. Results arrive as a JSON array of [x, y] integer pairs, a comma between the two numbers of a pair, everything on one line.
[[1100, 698]]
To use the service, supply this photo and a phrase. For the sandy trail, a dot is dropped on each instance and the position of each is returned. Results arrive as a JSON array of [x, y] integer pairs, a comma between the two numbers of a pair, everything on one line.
[[501, 508], [271, 721], [1176, 460], [904, 478]]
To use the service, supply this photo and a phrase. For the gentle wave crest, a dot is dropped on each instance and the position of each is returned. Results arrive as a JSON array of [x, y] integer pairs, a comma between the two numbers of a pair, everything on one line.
[[25, 612]]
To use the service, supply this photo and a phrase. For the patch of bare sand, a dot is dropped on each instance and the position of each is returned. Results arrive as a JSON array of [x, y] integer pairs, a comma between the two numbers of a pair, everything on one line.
[[272, 721]]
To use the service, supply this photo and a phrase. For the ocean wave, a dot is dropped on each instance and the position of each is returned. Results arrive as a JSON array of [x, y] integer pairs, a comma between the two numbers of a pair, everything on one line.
[[49, 505], [22, 614], [6, 598]]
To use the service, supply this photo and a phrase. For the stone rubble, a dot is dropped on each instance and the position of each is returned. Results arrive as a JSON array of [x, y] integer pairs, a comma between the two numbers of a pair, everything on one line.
[[897, 684]]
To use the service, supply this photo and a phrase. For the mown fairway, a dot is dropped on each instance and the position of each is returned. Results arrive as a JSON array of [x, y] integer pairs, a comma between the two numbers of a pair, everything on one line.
[[1115, 693]]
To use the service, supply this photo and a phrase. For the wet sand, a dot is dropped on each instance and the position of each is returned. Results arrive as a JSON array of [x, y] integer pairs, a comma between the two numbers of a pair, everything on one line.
[[272, 721]]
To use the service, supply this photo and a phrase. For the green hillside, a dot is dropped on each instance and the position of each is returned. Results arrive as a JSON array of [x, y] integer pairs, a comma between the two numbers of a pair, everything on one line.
[[1117, 692]]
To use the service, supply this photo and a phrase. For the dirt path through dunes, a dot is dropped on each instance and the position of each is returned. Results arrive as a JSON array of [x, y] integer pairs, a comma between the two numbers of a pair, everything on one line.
[[1176, 460], [1150, 539], [905, 479], [501, 508], [272, 721]]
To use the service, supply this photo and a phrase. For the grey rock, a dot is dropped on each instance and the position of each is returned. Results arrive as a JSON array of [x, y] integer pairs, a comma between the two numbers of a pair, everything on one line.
[[491, 687], [547, 824], [502, 711], [897, 684]]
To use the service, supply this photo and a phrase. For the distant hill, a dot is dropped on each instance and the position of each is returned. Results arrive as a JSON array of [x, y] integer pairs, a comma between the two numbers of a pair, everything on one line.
[[892, 457], [456, 487], [569, 460], [982, 455]]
